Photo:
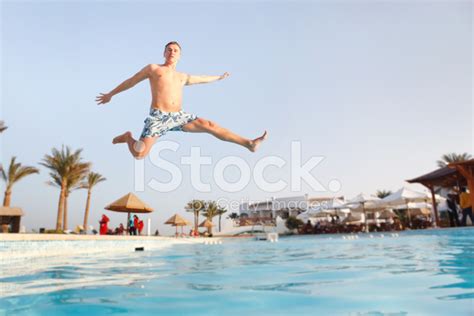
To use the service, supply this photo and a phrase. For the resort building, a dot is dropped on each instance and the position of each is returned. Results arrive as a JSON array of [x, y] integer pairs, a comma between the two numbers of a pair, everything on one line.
[[284, 207]]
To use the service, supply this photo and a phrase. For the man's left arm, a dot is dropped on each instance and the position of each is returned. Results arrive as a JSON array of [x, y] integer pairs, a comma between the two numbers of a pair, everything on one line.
[[192, 79]]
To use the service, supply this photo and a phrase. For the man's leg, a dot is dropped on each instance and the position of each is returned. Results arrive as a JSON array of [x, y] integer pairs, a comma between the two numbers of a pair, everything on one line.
[[204, 126], [138, 148], [451, 219], [456, 219], [469, 213], [464, 217]]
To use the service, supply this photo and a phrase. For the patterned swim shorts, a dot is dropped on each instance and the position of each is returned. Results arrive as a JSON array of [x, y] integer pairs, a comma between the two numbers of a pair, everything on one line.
[[158, 123]]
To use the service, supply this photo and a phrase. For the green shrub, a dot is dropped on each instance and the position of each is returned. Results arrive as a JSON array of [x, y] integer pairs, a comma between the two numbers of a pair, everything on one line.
[[293, 223], [53, 231]]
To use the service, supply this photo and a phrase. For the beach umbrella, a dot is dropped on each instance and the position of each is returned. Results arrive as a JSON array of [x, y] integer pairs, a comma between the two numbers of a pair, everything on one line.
[[129, 203], [337, 205], [176, 221], [403, 199], [208, 224], [365, 202], [404, 196]]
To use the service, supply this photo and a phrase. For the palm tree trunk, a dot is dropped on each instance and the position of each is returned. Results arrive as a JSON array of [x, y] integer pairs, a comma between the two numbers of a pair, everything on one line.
[[66, 196], [59, 219], [220, 223], [6, 199], [196, 221], [86, 213]]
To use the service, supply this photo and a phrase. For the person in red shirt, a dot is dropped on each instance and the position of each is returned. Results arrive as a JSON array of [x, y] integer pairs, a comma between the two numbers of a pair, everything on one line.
[[104, 225], [140, 227], [135, 223]]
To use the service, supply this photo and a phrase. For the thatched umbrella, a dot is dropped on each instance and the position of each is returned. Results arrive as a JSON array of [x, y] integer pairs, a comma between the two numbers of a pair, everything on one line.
[[208, 224], [176, 221], [129, 203]]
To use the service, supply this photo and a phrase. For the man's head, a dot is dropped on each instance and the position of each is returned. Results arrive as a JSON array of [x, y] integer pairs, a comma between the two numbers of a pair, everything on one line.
[[172, 52]]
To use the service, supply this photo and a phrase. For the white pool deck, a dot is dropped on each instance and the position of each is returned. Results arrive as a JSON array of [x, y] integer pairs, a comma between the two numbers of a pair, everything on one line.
[[62, 237], [15, 247]]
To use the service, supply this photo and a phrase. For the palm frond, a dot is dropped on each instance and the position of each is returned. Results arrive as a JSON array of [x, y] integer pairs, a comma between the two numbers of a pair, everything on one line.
[[93, 178], [16, 172], [452, 157], [383, 193]]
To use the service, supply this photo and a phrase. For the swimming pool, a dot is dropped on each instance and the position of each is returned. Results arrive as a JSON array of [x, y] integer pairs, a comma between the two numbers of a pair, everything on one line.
[[415, 273]]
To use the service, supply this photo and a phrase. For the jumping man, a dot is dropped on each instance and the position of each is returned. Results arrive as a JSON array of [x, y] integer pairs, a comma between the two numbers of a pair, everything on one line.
[[166, 113]]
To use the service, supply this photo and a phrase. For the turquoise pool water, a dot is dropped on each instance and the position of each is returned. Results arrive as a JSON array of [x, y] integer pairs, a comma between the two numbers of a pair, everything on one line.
[[414, 273]]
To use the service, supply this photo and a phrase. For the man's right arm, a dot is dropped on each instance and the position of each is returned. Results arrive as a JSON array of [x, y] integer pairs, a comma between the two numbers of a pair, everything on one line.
[[127, 84]]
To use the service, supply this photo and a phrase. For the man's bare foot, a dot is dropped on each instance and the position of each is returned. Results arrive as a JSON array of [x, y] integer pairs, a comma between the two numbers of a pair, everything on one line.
[[122, 138], [254, 144]]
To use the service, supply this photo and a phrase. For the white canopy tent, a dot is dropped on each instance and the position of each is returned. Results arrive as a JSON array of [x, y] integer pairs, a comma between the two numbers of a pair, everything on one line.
[[364, 202], [336, 206], [404, 196], [408, 199]]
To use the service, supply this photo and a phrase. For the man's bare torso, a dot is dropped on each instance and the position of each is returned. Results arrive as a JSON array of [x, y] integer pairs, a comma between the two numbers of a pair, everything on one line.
[[166, 88]]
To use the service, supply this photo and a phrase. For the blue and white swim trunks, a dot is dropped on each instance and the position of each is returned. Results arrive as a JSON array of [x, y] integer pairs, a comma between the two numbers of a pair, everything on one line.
[[158, 123]]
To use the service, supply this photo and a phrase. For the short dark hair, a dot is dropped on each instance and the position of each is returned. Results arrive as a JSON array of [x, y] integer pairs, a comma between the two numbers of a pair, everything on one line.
[[171, 43]]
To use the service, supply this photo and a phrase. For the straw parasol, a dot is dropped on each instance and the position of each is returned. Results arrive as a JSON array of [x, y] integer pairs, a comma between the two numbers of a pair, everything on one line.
[[129, 203], [176, 221], [208, 224]]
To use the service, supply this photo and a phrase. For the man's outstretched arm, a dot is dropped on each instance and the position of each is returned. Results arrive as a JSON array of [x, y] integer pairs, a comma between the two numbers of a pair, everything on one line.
[[127, 84], [204, 79]]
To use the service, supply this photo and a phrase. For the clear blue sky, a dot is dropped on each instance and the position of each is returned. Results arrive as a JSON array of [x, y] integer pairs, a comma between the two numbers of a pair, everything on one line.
[[380, 89]]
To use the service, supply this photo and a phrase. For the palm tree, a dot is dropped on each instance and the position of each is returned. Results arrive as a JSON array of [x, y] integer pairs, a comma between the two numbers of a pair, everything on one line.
[[64, 165], [211, 211], [383, 193], [452, 157], [73, 183], [233, 216], [220, 212], [93, 178], [16, 172], [195, 206]]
